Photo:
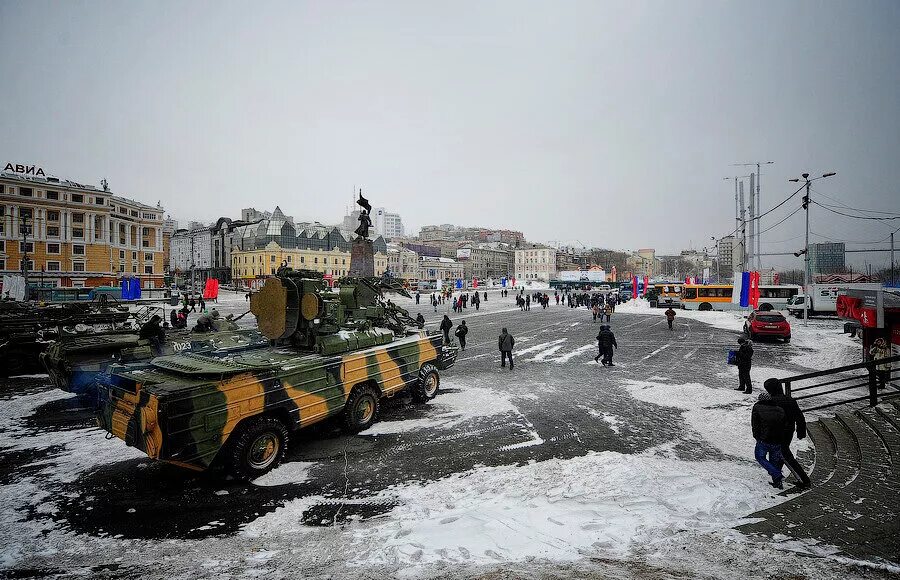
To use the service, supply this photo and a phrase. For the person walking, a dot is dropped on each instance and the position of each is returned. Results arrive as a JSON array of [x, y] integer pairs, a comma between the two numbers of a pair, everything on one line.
[[418, 295], [193, 304], [670, 317], [461, 331], [878, 352], [596, 310], [608, 311], [527, 302], [434, 302], [744, 362], [506, 343], [446, 326], [201, 302], [767, 421], [606, 340], [794, 419]]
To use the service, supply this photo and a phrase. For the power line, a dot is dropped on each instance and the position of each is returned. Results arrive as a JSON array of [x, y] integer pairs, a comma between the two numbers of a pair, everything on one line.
[[782, 221], [849, 241], [845, 206], [859, 217]]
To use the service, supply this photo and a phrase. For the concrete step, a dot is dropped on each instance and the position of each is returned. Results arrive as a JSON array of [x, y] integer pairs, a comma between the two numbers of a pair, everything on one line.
[[854, 503]]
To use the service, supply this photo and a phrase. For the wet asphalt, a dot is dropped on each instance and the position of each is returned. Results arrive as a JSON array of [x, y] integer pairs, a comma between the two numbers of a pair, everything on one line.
[[557, 402]]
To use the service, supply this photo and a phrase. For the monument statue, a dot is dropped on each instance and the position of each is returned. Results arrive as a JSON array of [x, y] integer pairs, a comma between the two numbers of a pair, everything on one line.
[[365, 222], [362, 254]]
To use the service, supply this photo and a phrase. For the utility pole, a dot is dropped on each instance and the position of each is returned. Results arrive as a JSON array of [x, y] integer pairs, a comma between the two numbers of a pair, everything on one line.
[[806, 272], [753, 229], [743, 226], [758, 248], [24, 228], [892, 260]]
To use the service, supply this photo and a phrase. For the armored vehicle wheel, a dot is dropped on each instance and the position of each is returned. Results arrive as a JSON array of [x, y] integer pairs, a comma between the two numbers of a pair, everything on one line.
[[428, 385], [361, 409], [259, 447]]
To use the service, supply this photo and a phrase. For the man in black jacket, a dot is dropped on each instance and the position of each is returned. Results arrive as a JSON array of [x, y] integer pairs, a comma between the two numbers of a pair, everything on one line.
[[793, 418], [767, 420], [461, 331], [446, 325], [606, 340], [744, 358], [505, 343]]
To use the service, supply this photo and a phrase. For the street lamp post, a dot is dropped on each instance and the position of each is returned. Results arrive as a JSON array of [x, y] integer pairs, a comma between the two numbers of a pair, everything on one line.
[[806, 272]]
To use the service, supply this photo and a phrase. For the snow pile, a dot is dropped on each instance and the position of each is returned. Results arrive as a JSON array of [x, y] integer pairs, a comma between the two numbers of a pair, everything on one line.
[[602, 504]]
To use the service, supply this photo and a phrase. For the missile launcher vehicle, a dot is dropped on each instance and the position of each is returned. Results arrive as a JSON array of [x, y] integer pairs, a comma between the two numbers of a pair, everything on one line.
[[335, 354]]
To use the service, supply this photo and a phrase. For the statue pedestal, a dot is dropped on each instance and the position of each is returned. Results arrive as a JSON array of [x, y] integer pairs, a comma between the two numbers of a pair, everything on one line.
[[362, 258]]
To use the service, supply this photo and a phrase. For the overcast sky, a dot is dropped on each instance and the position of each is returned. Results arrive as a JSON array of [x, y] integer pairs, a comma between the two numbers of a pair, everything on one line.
[[609, 124]]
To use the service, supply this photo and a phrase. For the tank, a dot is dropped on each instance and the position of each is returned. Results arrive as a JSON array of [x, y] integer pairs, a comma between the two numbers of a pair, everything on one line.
[[27, 329], [74, 362], [336, 354]]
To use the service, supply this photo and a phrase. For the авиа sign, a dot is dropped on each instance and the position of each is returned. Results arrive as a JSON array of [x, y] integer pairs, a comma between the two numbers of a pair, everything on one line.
[[25, 169]]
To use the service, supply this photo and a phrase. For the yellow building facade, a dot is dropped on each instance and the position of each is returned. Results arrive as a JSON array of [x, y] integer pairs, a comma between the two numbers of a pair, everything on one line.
[[251, 267], [77, 236]]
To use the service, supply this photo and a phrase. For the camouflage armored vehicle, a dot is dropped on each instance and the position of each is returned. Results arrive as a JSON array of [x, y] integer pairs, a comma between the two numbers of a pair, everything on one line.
[[337, 353], [28, 328], [74, 363]]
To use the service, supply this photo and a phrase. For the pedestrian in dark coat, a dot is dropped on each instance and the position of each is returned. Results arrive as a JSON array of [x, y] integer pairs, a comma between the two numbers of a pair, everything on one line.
[[461, 331], [767, 420], [506, 343], [152, 331], [485, 296], [793, 418], [744, 362], [193, 304], [201, 302], [670, 317], [417, 297], [420, 320], [606, 340], [528, 302], [446, 326]]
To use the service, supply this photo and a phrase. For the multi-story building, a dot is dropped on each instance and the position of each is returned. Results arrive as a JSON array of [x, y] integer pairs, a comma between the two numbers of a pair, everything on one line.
[[728, 260], [535, 263], [826, 258], [258, 249], [77, 235], [445, 269], [386, 224], [403, 262], [644, 262], [250, 268], [483, 262], [190, 253], [169, 228]]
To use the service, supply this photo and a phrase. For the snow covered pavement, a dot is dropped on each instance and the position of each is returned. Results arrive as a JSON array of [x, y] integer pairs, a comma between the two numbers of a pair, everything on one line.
[[560, 467]]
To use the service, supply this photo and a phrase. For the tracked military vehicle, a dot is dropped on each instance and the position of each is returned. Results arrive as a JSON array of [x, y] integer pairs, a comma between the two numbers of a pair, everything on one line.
[[337, 353], [74, 362], [28, 328]]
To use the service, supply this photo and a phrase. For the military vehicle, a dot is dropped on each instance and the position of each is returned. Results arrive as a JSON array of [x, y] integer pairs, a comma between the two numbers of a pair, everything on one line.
[[74, 362], [336, 354], [28, 328]]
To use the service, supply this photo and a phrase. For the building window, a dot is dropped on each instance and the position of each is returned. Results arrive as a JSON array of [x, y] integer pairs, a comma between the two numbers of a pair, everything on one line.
[[52, 248], [77, 198], [121, 267], [301, 259], [134, 269], [148, 257], [52, 194], [148, 269], [77, 218], [289, 259], [52, 216], [134, 255], [26, 247], [133, 213], [272, 258], [2, 264], [26, 192], [2, 245], [25, 212], [77, 250], [145, 231], [78, 233], [145, 243], [53, 266], [121, 254], [315, 260], [99, 201]]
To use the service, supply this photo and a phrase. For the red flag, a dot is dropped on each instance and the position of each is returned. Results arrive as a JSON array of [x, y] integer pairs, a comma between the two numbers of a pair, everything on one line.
[[474, 282], [754, 290], [646, 284], [634, 285]]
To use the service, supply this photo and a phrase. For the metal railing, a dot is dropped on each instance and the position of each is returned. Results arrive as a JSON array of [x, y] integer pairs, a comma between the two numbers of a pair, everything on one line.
[[868, 380]]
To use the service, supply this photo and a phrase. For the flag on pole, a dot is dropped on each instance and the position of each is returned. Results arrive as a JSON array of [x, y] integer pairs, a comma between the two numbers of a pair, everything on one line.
[[741, 288], [754, 290], [646, 284], [634, 287]]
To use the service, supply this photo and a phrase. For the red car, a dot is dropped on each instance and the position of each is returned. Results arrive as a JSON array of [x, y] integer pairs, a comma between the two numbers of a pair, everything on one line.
[[767, 324]]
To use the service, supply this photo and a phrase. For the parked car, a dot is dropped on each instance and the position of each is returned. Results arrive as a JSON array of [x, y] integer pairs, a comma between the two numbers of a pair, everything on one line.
[[772, 324]]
